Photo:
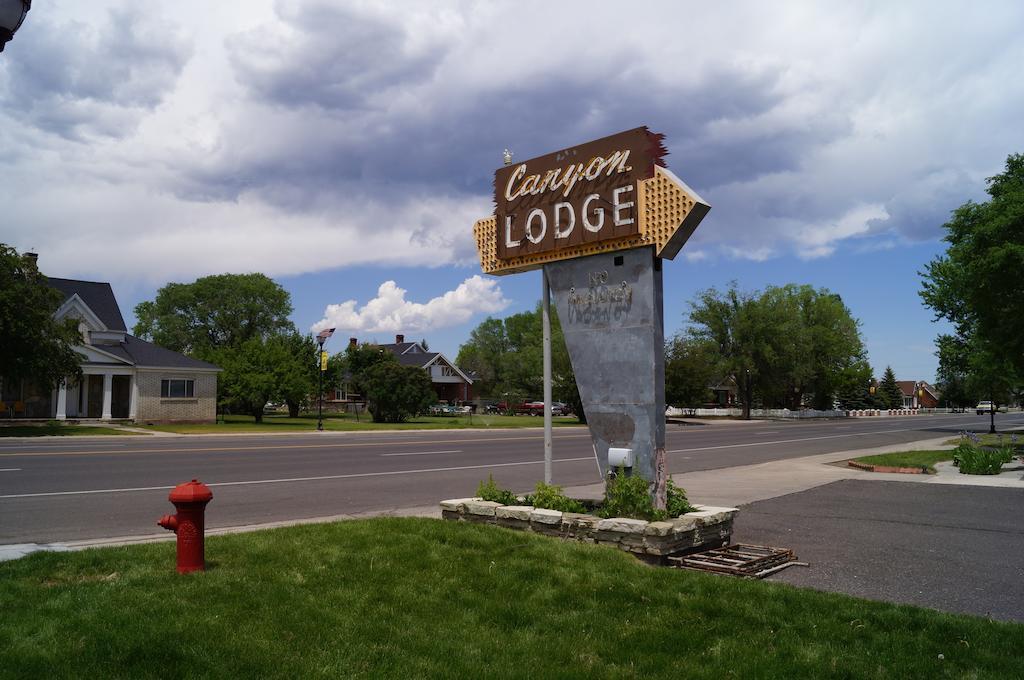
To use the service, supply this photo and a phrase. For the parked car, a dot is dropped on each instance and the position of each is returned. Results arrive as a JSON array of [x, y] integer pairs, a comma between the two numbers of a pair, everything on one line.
[[984, 407], [442, 410]]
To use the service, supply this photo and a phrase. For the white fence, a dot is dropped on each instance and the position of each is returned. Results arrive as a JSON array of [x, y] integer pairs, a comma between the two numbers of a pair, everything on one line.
[[754, 413], [673, 412]]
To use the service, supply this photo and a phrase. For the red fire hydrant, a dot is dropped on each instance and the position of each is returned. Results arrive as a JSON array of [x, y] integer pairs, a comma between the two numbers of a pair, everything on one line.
[[189, 524]]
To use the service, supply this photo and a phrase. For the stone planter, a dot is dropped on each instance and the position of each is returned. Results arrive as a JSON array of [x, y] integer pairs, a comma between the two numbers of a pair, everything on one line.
[[708, 527]]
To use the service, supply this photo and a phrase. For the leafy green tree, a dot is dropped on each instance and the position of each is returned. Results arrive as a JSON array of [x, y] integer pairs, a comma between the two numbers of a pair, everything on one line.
[[853, 387], [214, 312], [780, 344], [689, 369], [239, 322], [395, 392], [953, 377], [254, 373], [977, 284], [889, 391], [508, 356], [298, 374], [359, 358], [34, 346]]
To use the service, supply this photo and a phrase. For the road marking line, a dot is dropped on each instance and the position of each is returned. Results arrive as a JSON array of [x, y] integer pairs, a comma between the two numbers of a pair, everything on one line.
[[420, 453], [10, 469], [282, 447], [769, 432], [296, 479]]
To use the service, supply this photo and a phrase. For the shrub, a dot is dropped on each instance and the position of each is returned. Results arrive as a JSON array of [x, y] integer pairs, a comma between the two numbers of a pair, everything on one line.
[[631, 497], [977, 461], [490, 491], [627, 497], [676, 503], [551, 497]]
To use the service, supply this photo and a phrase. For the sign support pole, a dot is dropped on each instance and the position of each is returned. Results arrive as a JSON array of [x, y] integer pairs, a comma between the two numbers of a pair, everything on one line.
[[546, 321]]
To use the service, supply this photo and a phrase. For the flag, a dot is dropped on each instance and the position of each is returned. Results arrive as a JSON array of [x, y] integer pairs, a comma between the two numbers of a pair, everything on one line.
[[324, 334]]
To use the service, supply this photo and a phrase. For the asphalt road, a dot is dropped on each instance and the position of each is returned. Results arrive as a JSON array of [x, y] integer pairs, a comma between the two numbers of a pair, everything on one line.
[[80, 488], [953, 548]]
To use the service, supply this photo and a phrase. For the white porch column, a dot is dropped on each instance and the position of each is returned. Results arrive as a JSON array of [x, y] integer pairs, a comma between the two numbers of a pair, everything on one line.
[[83, 389], [62, 400], [133, 403], [107, 394]]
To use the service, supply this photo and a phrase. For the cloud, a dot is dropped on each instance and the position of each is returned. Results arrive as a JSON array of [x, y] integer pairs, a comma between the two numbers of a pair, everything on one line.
[[81, 80], [391, 312], [279, 123]]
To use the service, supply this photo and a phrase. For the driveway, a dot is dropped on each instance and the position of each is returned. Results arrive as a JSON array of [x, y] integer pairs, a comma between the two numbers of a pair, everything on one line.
[[947, 547]]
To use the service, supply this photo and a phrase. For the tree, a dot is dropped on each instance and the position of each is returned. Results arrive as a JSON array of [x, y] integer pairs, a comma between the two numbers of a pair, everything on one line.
[[253, 373], [780, 344], [689, 370], [507, 356], [213, 313], [395, 392], [889, 391], [298, 373], [35, 346], [239, 322], [953, 375], [977, 285]]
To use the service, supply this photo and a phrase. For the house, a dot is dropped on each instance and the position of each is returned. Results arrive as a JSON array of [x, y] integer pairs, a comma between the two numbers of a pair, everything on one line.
[[918, 394], [451, 383], [123, 377]]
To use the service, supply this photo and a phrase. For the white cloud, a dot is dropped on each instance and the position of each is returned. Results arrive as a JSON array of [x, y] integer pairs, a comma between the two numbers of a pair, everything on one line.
[[153, 145], [391, 312]]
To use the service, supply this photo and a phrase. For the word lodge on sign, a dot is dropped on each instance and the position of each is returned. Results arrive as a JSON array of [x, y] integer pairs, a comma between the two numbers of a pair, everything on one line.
[[605, 195]]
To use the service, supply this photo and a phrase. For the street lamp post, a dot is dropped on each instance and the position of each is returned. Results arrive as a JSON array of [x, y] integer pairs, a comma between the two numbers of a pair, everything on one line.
[[12, 14], [321, 359]]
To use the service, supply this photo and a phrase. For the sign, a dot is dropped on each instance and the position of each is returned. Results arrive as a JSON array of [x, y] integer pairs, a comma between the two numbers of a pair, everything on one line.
[[609, 194], [323, 360]]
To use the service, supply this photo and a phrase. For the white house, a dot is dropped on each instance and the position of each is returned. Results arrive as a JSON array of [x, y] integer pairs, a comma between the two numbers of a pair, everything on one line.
[[123, 377]]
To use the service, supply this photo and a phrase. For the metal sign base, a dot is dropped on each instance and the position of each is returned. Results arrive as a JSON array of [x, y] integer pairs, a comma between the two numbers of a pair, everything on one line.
[[612, 313]]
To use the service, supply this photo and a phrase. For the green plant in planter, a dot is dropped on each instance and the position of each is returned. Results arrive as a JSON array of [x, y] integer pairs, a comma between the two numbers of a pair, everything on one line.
[[551, 497], [490, 491], [631, 497], [676, 503]]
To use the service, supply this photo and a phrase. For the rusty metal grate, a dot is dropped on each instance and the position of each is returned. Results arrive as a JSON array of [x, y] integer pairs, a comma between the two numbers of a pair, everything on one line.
[[748, 561]]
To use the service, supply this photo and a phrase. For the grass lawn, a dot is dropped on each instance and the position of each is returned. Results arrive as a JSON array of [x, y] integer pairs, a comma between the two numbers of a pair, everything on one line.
[[58, 429], [420, 598], [341, 422], [918, 459]]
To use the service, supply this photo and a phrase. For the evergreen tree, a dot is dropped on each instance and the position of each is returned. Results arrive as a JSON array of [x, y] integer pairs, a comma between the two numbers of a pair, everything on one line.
[[889, 391]]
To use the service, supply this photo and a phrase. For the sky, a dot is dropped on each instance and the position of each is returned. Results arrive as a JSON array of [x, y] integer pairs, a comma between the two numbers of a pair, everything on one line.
[[346, 148]]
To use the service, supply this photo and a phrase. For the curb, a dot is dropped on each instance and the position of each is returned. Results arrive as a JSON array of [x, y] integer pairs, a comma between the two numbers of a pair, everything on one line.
[[887, 468]]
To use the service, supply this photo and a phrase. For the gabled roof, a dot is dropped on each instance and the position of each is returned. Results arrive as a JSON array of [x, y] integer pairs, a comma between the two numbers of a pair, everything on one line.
[[99, 297], [144, 353], [418, 359], [907, 387], [400, 348]]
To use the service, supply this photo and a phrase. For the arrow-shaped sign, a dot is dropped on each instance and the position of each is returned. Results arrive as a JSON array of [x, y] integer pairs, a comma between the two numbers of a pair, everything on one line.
[[607, 195]]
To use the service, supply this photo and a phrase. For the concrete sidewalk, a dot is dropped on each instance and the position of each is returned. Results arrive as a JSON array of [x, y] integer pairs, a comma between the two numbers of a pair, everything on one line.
[[743, 484]]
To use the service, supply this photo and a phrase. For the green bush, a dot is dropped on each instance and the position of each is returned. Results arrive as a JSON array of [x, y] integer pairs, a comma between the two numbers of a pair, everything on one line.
[[631, 497], [978, 461], [490, 491], [628, 497], [676, 503], [551, 497]]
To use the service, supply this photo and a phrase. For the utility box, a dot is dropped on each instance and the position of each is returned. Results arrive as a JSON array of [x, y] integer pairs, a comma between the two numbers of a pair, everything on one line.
[[620, 458]]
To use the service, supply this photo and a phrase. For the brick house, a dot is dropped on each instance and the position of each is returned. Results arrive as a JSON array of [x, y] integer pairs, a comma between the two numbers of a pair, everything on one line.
[[918, 394], [123, 377], [451, 384]]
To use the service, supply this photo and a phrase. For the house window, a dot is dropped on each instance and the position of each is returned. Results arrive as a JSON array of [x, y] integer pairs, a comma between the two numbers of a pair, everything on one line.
[[177, 388]]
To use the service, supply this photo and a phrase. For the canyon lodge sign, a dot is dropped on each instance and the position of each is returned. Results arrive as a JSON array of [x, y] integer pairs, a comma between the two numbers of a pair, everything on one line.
[[609, 194]]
